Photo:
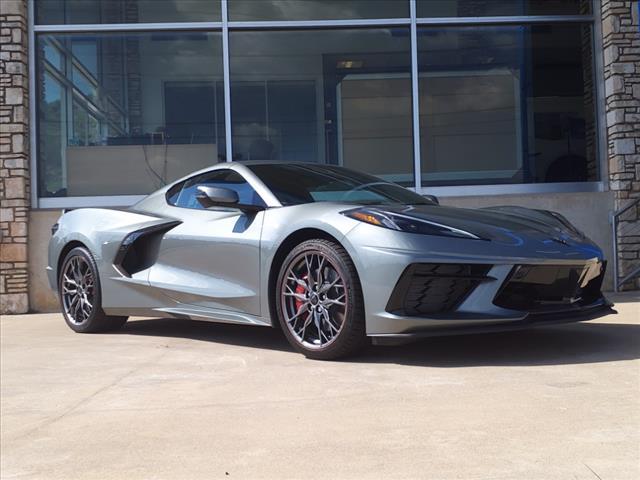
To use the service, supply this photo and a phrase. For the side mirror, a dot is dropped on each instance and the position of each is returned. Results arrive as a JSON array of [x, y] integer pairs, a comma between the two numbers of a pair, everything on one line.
[[432, 198], [222, 197], [216, 196]]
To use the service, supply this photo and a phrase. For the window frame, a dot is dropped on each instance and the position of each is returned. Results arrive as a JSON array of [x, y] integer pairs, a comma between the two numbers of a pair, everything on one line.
[[413, 21]]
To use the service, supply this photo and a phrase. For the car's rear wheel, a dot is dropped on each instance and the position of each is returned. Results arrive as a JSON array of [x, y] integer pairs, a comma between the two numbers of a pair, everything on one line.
[[80, 295], [319, 301]]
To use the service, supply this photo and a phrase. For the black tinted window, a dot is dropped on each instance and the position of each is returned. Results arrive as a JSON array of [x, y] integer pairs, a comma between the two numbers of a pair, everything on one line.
[[259, 10], [297, 184], [496, 8], [174, 192], [184, 194]]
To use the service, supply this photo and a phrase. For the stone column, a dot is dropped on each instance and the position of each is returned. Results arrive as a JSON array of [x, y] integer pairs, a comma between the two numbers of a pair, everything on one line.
[[621, 43], [14, 157]]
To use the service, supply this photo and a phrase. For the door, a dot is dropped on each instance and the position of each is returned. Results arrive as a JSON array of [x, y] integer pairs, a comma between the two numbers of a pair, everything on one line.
[[212, 259]]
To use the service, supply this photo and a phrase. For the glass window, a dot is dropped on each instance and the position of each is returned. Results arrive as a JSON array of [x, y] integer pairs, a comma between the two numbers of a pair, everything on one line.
[[135, 112], [496, 8], [125, 11], [53, 55], [229, 179], [52, 132], [85, 83], [85, 51], [297, 184], [256, 10], [506, 104], [330, 96]]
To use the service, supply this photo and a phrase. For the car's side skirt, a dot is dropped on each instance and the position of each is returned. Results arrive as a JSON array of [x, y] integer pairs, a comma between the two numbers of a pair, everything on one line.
[[194, 313]]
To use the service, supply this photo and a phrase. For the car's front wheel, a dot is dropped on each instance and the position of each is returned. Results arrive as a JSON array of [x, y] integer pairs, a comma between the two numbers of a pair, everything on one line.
[[80, 295], [319, 301]]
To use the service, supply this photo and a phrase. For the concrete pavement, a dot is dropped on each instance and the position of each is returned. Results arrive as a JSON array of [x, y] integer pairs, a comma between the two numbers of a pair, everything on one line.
[[179, 399]]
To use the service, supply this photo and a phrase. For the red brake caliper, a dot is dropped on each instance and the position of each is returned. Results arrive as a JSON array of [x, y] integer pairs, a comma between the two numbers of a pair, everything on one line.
[[300, 290]]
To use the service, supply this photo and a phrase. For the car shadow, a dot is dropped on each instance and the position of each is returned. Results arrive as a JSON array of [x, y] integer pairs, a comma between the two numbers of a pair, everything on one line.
[[553, 345], [230, 334], [576, 343]]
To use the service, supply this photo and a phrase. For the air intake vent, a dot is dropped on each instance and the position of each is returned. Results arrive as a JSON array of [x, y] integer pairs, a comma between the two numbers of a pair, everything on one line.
[[540, 288], [139, 249], [431, 288]]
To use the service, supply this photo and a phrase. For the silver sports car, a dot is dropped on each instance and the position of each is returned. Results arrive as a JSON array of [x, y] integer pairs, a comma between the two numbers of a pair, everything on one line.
[[331, 256]]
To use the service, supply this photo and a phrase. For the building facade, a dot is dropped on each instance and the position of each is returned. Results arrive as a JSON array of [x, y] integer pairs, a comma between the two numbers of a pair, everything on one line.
[[481, 102]]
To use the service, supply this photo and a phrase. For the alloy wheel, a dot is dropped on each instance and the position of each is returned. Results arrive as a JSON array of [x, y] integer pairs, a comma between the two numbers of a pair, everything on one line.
[[314, 300], [78, 290]]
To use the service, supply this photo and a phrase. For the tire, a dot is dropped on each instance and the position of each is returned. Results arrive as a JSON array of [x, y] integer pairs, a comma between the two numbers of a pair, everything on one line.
[[321, 321], [80, 295]]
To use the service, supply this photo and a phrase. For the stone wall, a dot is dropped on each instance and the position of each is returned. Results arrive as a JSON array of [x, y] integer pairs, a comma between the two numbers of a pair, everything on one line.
[[621, 44], [14, 157]]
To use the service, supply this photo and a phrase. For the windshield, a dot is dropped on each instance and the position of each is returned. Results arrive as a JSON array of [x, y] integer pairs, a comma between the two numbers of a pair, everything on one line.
[[295, 184]]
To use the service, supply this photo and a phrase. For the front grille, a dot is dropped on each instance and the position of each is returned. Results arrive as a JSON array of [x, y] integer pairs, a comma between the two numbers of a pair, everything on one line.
[[539, 288], [430, 288]]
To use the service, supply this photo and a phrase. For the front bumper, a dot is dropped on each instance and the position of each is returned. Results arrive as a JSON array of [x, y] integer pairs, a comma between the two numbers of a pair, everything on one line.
[[490, 282], [598, 309]]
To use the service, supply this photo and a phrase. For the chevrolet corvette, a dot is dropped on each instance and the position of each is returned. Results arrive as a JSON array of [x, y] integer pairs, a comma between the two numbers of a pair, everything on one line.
[[333, 257]]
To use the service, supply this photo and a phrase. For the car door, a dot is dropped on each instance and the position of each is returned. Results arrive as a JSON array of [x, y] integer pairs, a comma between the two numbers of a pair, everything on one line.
[[212, 259]]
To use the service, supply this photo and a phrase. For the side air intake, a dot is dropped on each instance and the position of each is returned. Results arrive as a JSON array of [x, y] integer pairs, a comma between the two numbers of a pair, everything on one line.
[[430, 288], [139, 249]]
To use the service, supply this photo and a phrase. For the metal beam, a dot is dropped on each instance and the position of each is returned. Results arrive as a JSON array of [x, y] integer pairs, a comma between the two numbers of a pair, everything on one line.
[[226, 83], [415, 97]]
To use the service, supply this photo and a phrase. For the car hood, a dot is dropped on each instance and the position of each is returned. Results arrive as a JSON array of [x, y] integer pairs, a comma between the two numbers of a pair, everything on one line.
[[502, 224]]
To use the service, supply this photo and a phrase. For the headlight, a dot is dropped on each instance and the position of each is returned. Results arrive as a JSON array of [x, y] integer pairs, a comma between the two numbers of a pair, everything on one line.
[[406, 223]]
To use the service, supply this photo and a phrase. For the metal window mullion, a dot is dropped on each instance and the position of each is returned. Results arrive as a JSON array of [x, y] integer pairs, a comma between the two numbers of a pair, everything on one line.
[[599, 100], [226, 81], [33, 164], [505, 20], [284, 24], [90, 201], [512, 189], [297, 24], [84, 71], [415, 99], [266, 109], [127, 27]]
